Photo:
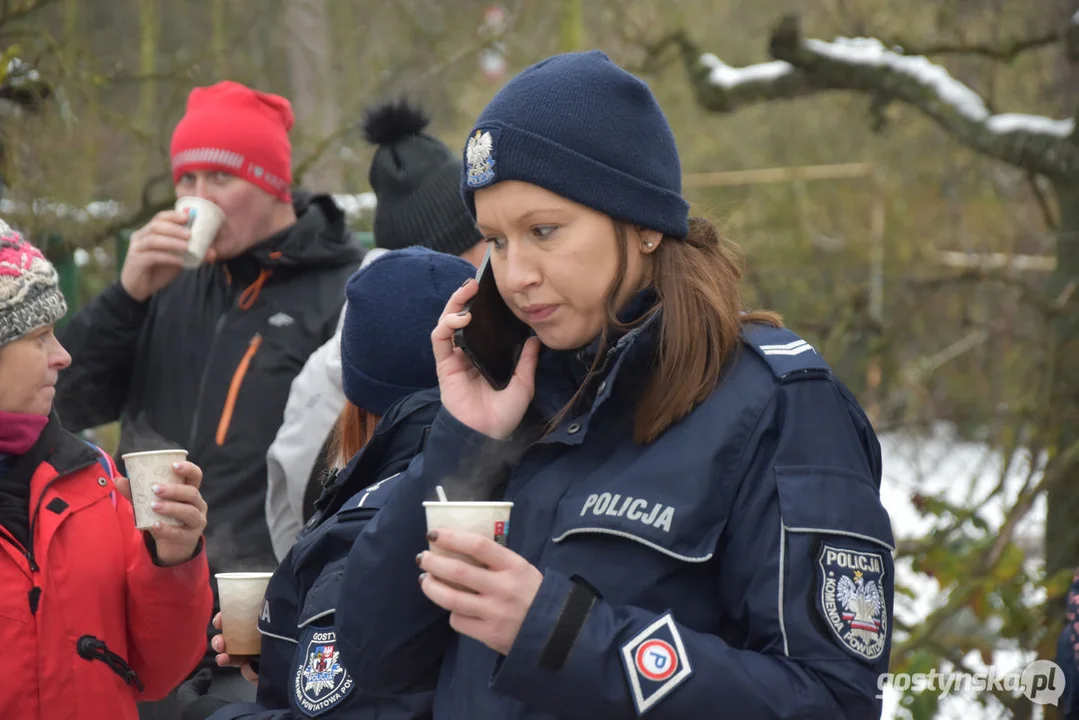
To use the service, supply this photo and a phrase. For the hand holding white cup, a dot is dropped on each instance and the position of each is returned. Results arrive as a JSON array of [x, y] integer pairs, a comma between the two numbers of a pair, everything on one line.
[[486, 518], [144, 470]]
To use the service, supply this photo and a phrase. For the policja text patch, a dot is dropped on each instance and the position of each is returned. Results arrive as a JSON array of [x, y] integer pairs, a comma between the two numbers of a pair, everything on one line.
[[656, 663], [852, 599]]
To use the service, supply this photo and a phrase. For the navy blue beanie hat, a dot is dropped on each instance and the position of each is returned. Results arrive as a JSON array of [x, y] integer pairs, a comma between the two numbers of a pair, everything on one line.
[[393, 305], [581, 127]]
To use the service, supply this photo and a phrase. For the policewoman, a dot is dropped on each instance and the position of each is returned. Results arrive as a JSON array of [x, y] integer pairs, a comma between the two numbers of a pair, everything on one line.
[[392, 305], [696, 529]]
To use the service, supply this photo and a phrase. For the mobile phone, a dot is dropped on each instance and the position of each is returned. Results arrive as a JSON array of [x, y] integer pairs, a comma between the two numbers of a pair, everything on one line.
[[494, 337]]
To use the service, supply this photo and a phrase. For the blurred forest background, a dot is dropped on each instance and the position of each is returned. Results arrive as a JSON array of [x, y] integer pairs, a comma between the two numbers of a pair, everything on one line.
[[933, 261]]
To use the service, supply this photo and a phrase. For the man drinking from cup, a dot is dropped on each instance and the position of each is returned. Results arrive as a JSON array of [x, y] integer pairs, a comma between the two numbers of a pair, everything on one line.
[[203, 358]]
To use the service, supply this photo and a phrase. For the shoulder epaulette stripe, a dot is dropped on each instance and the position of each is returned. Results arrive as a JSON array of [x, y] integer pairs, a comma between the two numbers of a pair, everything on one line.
[[795, 348]]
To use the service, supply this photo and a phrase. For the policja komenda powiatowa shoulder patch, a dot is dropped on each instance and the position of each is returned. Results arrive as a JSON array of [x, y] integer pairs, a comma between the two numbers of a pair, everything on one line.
[[852, 599]]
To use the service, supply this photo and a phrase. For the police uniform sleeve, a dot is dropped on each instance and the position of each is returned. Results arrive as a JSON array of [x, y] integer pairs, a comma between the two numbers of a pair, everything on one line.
[[403, 649], [804, 584], [317, 684]]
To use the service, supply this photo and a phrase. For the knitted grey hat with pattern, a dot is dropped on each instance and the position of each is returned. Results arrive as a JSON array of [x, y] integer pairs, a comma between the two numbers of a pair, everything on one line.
[[30, 295]]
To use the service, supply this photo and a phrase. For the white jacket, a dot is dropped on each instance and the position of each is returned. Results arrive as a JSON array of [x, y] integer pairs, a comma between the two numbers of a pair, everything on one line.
[[315, 401]]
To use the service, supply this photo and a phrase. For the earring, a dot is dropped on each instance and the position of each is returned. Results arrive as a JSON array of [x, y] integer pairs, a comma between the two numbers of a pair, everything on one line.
[[649, 244]]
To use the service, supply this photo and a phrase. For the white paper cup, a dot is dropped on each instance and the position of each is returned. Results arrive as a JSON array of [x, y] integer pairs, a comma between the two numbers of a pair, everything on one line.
[[144, 470], [241, 595], [490, 519], [204, 220]]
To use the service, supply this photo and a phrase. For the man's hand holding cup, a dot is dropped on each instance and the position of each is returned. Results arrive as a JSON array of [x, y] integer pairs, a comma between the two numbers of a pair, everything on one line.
[[175, 239]]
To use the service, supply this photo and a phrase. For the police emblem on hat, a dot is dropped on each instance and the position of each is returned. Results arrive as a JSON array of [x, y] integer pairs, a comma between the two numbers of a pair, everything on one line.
[[852, 599], [480, 162], [656, 663], [321, 682]]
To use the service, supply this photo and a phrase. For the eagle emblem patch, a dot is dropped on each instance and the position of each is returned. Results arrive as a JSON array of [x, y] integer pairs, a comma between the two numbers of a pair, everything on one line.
[[479, 156], [852, 599], [321, 682]]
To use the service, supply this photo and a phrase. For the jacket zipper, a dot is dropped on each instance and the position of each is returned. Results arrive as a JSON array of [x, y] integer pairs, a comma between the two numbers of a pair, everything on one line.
[[234, 389], [28, 551], [202, 383], [22, 551]]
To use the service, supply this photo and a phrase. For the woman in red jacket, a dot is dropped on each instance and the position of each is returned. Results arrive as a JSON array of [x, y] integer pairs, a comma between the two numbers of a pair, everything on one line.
[[94, 614]]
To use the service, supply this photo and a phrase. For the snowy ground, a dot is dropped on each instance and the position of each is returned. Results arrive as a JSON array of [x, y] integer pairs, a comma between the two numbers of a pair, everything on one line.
[[962, 473]]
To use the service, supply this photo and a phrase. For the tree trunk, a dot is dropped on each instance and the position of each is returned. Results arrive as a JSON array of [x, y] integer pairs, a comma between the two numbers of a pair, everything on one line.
[[87, 118], [314, 102], [572, 38], [1062, 522], [148, 34], [218, 39]]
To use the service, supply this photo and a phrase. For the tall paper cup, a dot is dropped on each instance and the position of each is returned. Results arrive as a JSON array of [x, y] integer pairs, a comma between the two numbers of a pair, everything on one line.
[[144, 470], [490, 519], [241, 595], [204, 220]]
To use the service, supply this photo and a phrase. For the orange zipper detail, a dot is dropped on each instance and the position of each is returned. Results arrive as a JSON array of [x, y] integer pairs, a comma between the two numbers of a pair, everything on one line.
[[251, 294], [234, 389]]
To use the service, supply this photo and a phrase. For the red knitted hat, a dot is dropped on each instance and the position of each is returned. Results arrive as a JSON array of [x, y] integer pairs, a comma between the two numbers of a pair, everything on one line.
[[234, 129]]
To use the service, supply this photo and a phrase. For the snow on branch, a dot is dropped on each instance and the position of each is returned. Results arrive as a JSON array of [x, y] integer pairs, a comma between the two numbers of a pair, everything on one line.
[[807, 66], [869, 52]]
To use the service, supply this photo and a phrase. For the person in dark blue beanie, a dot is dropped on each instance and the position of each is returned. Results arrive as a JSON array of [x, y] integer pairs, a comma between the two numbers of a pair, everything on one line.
[[696, 529], [387, 364], [392, 306], [583, 128]]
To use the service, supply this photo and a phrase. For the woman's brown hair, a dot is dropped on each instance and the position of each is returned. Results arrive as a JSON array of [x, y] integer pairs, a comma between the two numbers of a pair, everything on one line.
[[698, 282], [352, 431]]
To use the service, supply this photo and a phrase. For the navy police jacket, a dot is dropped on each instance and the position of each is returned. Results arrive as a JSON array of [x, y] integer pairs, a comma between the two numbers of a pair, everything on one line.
[[739, 566], [300, 670]]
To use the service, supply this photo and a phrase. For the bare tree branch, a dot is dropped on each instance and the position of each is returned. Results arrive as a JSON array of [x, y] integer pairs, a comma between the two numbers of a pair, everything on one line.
[[136, 219], [303, 166], [807, 66], [1051, 223], [1004, 52], [1056, 471], [9, 14], [976, 275]]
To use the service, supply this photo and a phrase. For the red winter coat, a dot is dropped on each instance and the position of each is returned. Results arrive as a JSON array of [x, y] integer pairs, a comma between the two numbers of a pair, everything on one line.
[[85, 611]]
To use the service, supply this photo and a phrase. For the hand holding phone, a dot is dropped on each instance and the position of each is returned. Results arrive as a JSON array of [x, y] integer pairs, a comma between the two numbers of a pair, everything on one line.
[[494, 338], [488, 384]]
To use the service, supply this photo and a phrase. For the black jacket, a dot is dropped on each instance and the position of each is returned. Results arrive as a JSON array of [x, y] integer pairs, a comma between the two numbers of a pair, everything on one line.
[[206, 364]]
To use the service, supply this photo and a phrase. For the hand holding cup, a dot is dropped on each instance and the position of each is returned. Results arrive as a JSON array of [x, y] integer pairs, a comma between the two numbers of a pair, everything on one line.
[[164, 492], [173, 240], [223, 659]]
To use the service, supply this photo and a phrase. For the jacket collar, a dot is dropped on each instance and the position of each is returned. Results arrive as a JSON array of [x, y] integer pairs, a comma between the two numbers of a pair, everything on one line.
[[319, 237], [561, 372], [64, 452], [399, 436]]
